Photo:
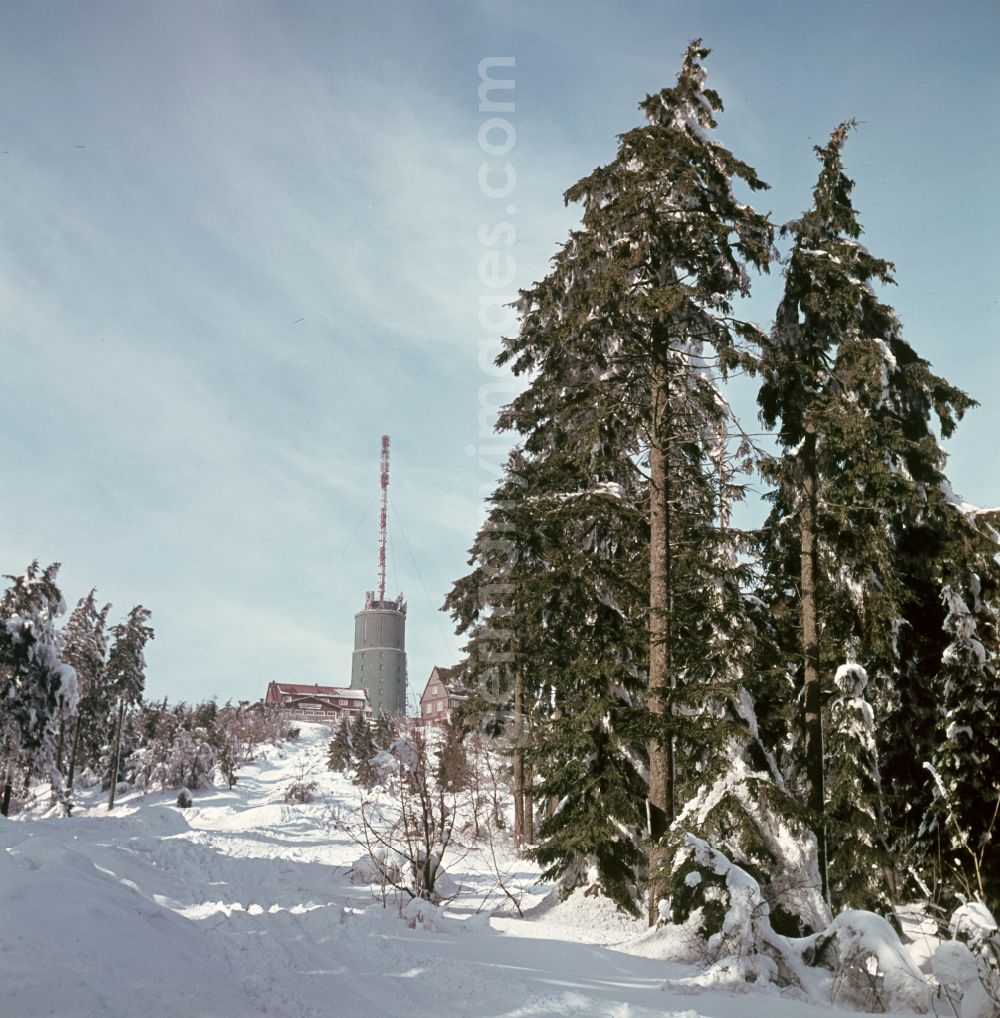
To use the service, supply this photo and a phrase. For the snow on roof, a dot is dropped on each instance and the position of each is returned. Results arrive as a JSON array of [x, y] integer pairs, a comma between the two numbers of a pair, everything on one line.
[[450, 678], [304, 689]]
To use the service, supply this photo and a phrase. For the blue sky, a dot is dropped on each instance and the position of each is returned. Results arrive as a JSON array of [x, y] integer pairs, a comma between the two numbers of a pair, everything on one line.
[[240, 241]]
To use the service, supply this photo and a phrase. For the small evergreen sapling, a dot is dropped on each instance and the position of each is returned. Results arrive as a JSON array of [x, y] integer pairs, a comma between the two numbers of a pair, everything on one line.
[[452, 770], [860, 867], [362, 752], [385, 730], [339, 749]]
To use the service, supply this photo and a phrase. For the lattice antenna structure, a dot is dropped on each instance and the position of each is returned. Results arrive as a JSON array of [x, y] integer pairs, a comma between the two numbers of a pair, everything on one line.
[[382, 517]]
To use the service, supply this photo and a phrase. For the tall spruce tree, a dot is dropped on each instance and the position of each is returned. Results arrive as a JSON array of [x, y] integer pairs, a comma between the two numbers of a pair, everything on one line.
[[554, 609], [860, 468], [628, 337]]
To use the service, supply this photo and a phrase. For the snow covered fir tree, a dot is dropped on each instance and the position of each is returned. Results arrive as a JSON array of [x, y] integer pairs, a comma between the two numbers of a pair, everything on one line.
[[667, 675], [728, 696]]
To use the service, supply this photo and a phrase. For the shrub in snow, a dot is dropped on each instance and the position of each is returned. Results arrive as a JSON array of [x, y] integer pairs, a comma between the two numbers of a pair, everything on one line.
[[380, 865], [391, 871], [967, 968], [87, 779], [957, 975], [418, 912], [181, 746], [869, 967], [356, 745], [722, 904], [386, 766], [748, 817], [184, 799], [300, 792], [408, 753], [405, 836]]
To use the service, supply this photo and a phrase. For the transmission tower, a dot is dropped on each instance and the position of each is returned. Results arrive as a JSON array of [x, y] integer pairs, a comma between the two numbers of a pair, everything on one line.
[[382, 517]]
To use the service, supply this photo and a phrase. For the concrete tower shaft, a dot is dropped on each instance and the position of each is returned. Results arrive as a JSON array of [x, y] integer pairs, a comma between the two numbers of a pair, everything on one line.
[[379, 660]]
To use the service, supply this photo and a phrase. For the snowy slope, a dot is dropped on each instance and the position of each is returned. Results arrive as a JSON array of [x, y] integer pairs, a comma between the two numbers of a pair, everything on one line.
[[241, 906]]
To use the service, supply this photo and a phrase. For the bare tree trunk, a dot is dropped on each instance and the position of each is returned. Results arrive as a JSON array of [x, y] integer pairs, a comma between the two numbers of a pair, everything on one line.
[[58, 789], [8, 787], [661, 796], [811, 697], [115, 754], [518, 761], [529, 798], [529, 807], [77, 726], [60, 744]]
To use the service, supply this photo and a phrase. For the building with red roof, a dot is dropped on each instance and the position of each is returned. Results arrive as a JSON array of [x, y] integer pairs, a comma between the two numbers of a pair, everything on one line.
[[310, 702]]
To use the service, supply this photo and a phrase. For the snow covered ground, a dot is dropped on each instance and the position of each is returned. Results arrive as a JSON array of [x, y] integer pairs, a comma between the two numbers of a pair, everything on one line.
[[241, 906]]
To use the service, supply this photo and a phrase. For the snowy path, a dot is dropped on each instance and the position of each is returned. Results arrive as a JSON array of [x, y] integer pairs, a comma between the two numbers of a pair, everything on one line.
[[240, 907]]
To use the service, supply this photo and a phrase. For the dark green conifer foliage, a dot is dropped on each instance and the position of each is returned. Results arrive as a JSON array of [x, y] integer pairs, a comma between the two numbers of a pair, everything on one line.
[[949, 549], [339, 750], [627, 338], [452, 769], [558, 591], [493, 605], [385, 730], [965, 809], [362, 750], [855, 811], [860, 467]]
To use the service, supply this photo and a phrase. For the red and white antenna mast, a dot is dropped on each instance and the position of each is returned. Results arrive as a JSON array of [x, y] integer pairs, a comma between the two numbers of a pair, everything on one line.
[[382, 518]]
